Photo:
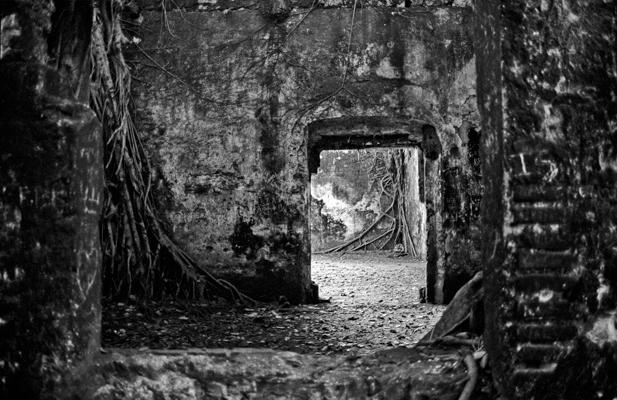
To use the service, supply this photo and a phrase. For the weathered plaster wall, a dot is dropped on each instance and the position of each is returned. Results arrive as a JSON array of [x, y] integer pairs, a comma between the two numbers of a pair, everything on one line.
[[51, 188], [223, 95], [343, 185], [548, 96], [462, 190]]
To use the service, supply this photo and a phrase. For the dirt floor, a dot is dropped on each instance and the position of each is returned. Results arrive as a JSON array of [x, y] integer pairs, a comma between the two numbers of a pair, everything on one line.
[[374, 305]]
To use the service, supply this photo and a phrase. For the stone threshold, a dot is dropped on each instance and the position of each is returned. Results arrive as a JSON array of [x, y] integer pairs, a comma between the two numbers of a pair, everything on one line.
[[244, 373]]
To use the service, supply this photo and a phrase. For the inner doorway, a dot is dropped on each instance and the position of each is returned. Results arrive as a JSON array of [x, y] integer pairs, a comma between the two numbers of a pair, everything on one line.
[[368, 237]]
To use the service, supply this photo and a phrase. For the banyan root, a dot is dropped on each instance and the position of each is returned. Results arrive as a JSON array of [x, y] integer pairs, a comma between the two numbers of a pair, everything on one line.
[[390, 179], [140, 258]]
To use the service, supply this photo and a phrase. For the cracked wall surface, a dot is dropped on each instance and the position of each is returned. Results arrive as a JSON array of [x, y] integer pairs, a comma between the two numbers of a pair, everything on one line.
[[268, 374]]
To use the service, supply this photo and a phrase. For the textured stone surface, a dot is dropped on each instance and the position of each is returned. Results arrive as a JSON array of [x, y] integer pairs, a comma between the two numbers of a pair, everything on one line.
[[267, 374], [547, 93], [51, 189], [374, 306], [461, 192], [223, 99]]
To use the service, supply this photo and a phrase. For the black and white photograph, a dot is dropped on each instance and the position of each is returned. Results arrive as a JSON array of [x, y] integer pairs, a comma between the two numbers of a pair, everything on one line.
[[308, 199]]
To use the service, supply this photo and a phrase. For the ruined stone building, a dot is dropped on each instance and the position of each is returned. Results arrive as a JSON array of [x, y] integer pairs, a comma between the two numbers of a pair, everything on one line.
[[241, 110], [507, 109]]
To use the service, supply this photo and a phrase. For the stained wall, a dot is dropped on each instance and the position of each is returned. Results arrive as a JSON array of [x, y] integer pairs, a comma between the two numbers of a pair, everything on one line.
[[51, 193], [547, 92], [223, 95]]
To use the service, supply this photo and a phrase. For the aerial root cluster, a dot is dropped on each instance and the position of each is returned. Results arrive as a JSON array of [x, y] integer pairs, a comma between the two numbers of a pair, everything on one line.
[[140, 258], [388, 173]]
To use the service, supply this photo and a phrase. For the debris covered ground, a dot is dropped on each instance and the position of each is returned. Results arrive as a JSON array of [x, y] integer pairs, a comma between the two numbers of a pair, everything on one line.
[[374, 305]]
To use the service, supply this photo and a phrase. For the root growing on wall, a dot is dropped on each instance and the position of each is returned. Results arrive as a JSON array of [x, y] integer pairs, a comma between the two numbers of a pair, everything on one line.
[[140, 258], [389, 175]]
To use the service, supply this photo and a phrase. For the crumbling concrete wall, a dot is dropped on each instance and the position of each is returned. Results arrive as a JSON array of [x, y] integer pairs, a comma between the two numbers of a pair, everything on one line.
[[223, 95], [51, 189], [547, 89]]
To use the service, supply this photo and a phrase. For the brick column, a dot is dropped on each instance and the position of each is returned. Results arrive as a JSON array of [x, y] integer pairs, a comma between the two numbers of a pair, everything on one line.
[[547, 84]]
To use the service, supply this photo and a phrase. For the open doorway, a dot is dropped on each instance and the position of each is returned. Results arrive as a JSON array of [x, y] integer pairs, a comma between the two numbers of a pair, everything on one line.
[[368, 240], [367, 202]]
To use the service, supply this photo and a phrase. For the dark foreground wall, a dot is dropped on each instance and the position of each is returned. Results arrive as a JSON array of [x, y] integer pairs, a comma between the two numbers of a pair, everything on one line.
[[223, 97], [51, 190], [547, 89]]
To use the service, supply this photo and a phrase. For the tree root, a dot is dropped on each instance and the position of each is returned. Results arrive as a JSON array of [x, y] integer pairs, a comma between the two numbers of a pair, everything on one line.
[[455, 341], [472, 368], [134, 241]]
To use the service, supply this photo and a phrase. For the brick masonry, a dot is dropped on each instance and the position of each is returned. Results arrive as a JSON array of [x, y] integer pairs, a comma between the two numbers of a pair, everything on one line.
[[547, 97], [224, 100]]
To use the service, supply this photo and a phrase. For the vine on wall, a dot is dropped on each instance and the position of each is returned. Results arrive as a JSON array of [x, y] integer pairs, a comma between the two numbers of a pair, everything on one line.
[[140, 258]]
